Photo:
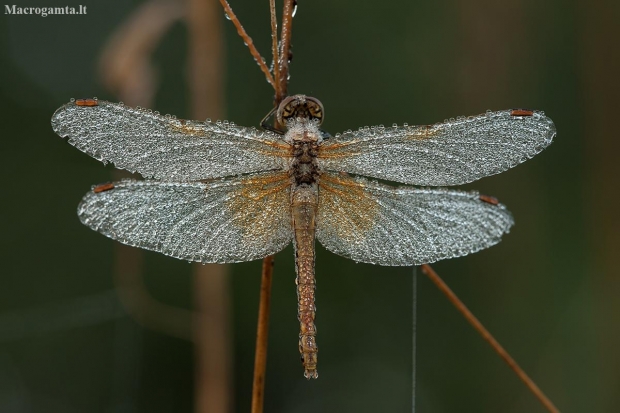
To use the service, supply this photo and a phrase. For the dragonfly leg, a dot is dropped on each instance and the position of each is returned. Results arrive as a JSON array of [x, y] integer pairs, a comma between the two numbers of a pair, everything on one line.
[[266, 126]]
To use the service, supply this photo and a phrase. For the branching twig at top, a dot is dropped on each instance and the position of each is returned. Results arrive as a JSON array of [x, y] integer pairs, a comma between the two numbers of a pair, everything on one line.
[[285, 39], [426, 269], [248, 41], [274, 43]]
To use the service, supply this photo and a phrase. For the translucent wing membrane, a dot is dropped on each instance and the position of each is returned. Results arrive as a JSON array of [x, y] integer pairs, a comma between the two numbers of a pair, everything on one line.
[[375, 223], [449, 153], [232, 220], [167, 148]]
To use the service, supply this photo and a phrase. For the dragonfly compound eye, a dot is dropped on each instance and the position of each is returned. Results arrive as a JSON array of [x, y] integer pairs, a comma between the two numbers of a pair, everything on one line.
[[300, 106]]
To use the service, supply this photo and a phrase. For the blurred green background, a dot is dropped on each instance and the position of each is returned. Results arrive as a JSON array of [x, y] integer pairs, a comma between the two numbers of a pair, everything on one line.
[[549, 291]]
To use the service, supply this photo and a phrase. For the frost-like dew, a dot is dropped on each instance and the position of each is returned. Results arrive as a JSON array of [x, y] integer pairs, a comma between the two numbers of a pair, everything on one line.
[[225, 193], [162, 147], [450, 153], [384, 225], [208, 222]]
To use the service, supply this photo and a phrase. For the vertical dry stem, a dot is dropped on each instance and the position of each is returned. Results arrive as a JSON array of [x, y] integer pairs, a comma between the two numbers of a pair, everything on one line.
[[285, 39], [426, 269], [274, 41], [281, 90], [262, 332]]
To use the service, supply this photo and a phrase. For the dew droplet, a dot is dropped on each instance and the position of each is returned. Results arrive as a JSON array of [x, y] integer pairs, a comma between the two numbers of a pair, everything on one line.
[[294, 9], [72, 100], [227, 16]]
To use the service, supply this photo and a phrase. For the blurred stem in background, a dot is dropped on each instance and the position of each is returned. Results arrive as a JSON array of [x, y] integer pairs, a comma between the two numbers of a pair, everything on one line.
[[127, 71], [211, 281]]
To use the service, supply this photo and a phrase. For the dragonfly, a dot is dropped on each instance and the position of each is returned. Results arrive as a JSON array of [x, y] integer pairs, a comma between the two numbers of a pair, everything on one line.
[[216, 192]]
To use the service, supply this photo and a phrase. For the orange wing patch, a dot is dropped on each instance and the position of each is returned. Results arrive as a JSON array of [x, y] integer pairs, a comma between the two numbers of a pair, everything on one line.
[[346, 206], [258, 201], [349, 148], [194, 129]]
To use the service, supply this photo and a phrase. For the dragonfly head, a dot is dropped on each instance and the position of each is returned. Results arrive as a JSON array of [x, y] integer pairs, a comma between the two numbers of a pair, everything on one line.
[[300, 106]]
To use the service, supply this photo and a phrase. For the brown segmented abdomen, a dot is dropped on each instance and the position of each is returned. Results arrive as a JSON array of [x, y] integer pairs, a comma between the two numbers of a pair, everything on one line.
[[304, 203]]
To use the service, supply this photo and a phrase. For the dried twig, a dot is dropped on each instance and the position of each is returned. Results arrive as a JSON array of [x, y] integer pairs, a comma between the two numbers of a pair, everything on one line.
[[280, 86], [285, 39], [262, 332], [426, 269], [274, 41], [260, 361], [248, 41]]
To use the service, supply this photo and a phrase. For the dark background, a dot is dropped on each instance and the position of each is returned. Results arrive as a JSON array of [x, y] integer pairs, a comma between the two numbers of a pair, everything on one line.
[[549, 291]]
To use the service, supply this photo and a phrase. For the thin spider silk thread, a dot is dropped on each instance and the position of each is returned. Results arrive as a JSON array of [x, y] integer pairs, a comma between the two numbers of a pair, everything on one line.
[[414, 314]]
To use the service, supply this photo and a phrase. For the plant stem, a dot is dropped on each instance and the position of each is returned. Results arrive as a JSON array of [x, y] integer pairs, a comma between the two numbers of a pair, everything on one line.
[[260, 360], [443, 287], [285, 39]]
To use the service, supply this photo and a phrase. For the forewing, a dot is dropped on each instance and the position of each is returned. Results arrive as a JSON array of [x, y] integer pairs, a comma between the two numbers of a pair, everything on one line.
[[450, 153], [167, 148], [378, 224], [231, 220]]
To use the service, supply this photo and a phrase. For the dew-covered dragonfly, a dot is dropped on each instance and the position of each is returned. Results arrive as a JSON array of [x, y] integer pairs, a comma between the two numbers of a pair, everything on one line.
[[220, 193]]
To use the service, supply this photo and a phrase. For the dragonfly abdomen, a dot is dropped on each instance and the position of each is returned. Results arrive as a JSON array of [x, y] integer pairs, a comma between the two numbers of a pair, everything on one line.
[[303, 211]]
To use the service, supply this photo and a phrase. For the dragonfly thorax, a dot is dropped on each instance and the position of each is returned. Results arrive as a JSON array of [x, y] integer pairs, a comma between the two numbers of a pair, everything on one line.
[[305, 138], [303, 130]]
